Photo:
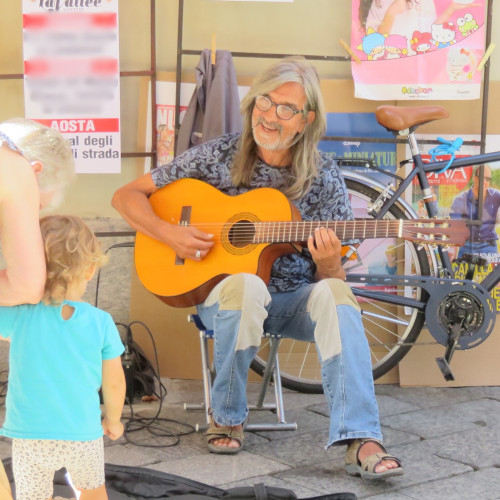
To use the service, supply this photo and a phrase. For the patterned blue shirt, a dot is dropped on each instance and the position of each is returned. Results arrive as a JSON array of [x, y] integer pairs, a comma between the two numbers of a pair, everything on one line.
[[327, 199]]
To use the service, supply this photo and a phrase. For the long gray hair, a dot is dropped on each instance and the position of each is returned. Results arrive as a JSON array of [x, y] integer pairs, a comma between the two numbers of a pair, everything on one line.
[[304, 151]]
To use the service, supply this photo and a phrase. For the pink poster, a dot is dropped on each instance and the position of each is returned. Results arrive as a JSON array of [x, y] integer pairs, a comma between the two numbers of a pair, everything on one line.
[[417, 49]]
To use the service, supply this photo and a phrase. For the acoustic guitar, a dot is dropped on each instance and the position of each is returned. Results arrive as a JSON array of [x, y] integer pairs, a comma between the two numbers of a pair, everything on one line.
[[250, 231]]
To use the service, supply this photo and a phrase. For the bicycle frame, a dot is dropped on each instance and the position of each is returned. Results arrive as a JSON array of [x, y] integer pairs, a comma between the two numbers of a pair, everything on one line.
[[443, 289], [420, 170]]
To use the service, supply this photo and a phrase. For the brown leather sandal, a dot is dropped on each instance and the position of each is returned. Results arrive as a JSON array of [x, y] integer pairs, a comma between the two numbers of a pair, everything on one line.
[[215, 432], [366, 469]]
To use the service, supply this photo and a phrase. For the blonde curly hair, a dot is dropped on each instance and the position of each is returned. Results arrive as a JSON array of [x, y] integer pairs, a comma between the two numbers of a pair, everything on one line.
[[71, 249]]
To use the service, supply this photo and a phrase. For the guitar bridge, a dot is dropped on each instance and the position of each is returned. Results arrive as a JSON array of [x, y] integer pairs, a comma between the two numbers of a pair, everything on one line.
[[183, 221]]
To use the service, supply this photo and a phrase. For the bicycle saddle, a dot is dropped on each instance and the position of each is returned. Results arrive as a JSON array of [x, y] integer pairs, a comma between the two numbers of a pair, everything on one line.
[[396, 119]]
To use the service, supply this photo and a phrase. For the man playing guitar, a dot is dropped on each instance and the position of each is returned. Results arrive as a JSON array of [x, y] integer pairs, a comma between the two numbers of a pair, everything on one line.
[[306, 297]]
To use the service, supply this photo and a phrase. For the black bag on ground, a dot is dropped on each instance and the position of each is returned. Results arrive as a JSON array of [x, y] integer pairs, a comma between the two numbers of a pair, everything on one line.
[[124, 483], [147, 484], [260, 491]]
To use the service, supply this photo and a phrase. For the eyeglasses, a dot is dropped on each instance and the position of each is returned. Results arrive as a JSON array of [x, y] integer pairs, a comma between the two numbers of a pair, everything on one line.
[[283, 112]]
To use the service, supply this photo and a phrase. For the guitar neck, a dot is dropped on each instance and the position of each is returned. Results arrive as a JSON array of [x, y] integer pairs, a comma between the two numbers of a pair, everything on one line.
[[285, 232]]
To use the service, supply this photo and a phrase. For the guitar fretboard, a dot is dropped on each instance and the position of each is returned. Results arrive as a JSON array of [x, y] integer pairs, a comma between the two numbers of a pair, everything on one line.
[[283, 232]]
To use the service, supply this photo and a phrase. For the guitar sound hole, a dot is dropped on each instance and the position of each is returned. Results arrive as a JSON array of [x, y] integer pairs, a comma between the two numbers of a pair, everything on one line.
[[242, 233]]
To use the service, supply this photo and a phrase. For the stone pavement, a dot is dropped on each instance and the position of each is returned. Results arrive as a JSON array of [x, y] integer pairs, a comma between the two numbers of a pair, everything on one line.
[[447, 438]]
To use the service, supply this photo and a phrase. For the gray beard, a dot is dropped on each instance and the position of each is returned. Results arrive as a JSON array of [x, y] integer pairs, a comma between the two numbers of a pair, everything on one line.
[[278, 145]]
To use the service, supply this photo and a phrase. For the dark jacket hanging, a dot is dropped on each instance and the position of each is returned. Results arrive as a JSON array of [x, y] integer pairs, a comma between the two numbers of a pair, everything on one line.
[[214, 108]]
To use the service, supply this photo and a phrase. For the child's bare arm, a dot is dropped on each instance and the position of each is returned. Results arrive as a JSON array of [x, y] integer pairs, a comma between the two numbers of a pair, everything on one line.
[[113, 395]]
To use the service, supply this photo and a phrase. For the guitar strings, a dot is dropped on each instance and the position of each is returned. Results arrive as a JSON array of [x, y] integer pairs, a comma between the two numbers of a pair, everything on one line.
[[243, 231]]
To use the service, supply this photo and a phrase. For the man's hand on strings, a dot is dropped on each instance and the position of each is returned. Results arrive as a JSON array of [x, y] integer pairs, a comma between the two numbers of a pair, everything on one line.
[[325, 250], [188, 242]]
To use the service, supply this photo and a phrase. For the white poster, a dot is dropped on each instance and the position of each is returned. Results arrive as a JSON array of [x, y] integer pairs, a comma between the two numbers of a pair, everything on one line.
[[72, 76]]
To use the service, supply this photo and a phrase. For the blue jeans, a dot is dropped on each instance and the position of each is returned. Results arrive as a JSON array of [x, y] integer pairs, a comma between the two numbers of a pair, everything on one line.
[[240, 309]]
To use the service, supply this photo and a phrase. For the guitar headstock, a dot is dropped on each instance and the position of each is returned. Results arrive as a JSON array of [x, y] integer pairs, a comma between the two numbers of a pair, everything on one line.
[[444, 232]]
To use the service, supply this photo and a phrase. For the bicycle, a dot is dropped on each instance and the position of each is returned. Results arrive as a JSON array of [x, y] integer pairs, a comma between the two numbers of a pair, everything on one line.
[[458, 312]]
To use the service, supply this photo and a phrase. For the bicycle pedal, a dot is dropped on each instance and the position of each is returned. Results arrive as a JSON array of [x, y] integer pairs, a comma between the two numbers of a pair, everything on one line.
[[473, 259], [444, 366]]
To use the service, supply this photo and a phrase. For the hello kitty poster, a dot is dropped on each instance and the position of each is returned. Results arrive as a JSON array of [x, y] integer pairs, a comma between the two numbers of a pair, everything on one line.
[[418, 49]]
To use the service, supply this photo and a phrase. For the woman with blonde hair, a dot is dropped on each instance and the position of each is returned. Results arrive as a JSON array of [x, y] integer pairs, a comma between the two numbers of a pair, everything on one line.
[[35, 164]]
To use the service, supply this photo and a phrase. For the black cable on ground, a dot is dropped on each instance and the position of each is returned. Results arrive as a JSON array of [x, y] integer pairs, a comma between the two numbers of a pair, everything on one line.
[[152, 424]]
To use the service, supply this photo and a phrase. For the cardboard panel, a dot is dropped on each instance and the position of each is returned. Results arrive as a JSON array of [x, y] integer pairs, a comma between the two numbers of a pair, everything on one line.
[[474, 367], [176, 340]]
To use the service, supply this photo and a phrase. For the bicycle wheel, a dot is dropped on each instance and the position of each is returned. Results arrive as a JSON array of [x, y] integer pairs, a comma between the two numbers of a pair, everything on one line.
[[390, 329]]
